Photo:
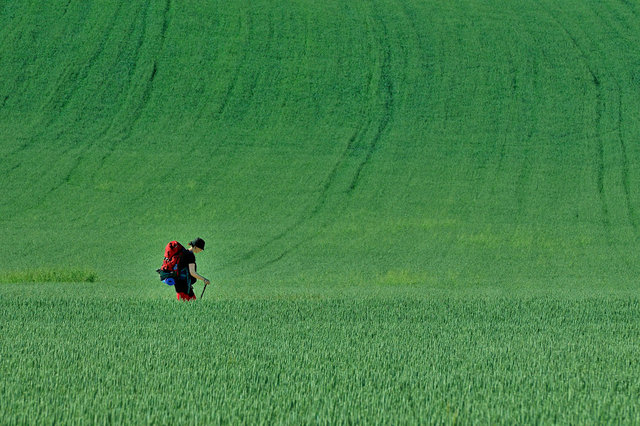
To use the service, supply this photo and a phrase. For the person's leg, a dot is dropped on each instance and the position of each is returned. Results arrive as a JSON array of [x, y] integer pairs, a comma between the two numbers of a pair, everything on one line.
[[182, 289], [191, 295]]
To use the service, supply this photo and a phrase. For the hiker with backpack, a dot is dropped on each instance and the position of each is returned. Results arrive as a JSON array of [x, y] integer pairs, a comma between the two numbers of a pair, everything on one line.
[[179, 267]]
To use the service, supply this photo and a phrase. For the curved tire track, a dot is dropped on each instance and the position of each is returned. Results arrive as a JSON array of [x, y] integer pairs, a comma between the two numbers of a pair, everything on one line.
[[238, 71], [57, 100], [385, 90], [144, 12], [618, 130], [143, 99], [625, 167], [624, 157], [595, 79], [383, 94], [57, 103], [612, 233]]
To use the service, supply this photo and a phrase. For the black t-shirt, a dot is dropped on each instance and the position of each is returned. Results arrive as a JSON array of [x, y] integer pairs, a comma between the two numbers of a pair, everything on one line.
[[187, 258]]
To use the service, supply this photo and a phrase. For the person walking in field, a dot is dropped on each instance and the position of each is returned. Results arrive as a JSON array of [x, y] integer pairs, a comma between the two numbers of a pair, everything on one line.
[[188, 271]]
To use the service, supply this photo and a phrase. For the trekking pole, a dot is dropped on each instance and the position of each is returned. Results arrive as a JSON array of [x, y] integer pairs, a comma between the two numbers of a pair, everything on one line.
[[205, 287]]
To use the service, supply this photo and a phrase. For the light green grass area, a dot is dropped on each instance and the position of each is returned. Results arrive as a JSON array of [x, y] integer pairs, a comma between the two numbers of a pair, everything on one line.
[[250, 359], [413, 210]]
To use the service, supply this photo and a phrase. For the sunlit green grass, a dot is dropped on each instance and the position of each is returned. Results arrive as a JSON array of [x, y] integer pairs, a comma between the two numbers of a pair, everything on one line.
[[435, 358]]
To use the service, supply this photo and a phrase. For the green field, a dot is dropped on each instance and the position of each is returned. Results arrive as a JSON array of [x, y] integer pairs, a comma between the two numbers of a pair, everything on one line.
[[415, 211]]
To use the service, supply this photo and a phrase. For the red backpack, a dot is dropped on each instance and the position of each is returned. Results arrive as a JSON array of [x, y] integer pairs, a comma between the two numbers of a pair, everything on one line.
[[172, 254]]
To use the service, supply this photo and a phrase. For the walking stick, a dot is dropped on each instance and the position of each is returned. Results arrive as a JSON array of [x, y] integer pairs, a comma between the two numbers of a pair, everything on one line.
[[205, 287]]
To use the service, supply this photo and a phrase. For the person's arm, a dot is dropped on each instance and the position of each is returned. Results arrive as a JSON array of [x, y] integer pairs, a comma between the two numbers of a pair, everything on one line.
[[192, 271]]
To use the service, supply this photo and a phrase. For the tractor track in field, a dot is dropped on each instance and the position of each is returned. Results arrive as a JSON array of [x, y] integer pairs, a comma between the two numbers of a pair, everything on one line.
[[222, 108], [624, 160], [142, 18], [73, 77], [6, 31], [165, 22], [622, 143], [238, 70], [625, 166], [386, 90], [524, 173], [136, 54], [143, 99], [151, 75], [76, 77], [253, 77], [58, 103], [66, 8], [353, 147], [243, 97], [356, 146], [143, 14], [597, 85], [314, 211], [230, 93], [519, 96], [338, 165]]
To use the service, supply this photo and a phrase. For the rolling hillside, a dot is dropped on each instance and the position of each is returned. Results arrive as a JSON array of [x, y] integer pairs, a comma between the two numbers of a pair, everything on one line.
[[348, 143]]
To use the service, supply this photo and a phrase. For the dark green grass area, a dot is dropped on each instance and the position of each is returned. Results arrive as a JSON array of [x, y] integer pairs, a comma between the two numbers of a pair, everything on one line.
[[49, 275], [473, 142], [444, 358]]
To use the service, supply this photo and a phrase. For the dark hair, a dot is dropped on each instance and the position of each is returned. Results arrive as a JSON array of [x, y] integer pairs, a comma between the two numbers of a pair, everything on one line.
[[198, 242]]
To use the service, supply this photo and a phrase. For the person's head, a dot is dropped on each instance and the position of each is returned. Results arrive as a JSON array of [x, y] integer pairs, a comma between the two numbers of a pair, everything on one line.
[[197, 245]]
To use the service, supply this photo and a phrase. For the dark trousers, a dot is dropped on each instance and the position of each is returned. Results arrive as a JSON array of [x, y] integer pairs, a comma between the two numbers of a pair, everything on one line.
[[184, 287]]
